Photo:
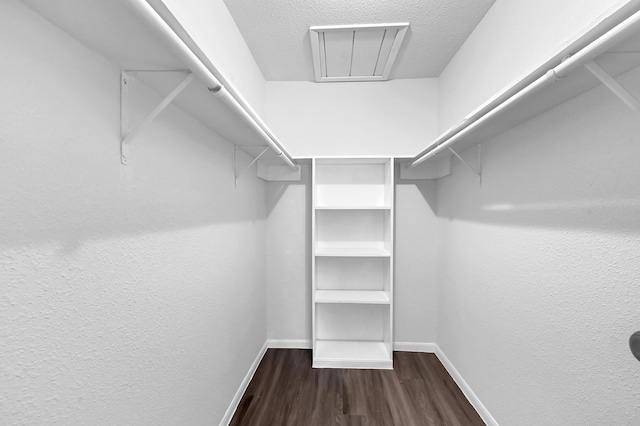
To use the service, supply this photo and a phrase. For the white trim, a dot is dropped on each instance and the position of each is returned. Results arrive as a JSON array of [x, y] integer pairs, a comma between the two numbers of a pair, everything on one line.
[[289, 344], [359, 365], [415, 347], [464, 387], [395, 26], [395, 48], [226, 419], [315, 51], [318, 49], [394, 156], [354, 78]]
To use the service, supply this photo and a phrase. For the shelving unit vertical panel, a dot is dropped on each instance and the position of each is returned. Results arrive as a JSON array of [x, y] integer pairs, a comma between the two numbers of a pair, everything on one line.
[[389, 183], [390, 193], [314, 283], [387, 330]]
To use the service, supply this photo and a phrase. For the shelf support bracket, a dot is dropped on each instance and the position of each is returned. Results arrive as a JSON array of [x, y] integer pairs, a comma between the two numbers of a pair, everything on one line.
[[235, 161], [126, 135], [613, 85], [478, 171]]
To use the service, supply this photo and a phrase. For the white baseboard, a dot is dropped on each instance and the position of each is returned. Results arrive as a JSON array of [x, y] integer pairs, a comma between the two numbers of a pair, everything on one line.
[[398, 346], [464, 387], [414, 347], [226, 419], [289, 344]]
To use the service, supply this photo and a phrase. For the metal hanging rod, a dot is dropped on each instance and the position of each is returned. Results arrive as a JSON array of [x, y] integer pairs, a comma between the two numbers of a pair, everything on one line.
[[158, 16], [522, 89]]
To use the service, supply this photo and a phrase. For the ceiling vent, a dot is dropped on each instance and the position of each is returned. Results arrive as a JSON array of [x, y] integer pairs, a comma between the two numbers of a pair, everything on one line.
[[355, 52]]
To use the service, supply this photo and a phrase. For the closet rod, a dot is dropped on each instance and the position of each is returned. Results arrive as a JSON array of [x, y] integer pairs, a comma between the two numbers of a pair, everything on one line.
[[580, 58], [227, 94]]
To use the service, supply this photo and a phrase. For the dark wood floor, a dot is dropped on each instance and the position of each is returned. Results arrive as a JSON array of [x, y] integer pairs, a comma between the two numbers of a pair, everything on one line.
[[286, 391]]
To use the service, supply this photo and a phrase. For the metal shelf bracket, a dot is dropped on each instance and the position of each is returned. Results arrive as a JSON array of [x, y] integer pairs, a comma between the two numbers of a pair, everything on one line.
[[478, 171], [613, 85], [235, 161], [126, 133]]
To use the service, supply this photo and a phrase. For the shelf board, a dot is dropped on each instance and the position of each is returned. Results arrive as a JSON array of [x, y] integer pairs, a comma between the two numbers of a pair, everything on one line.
[[350, 161], [352, 252], [353, 296], [351, 354], [347, 207]]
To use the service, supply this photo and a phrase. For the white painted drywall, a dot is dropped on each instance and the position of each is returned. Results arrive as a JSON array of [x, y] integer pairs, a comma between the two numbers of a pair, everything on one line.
[[415, 302], [129, 294], [211, 26], [392, 118], [288, 233], [512, 40], [539, 268]]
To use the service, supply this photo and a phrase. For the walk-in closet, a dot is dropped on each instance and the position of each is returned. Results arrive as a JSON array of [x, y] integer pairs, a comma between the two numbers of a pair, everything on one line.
[[313, 212]]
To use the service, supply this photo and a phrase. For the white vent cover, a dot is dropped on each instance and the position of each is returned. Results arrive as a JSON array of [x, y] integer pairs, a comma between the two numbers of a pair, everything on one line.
[[355, 52]]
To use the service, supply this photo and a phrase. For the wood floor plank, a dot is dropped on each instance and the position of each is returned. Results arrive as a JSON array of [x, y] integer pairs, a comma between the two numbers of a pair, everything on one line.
[[285, 390]]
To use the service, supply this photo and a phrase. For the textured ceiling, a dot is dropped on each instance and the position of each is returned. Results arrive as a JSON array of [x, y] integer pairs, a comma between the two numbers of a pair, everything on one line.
[[277, 31]]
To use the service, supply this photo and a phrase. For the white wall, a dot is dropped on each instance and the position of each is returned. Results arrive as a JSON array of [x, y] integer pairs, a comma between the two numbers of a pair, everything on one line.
[[211, 26], [392, 118], [415, 297], [130, 294], [514, 38], [539, 268], [288, 234]]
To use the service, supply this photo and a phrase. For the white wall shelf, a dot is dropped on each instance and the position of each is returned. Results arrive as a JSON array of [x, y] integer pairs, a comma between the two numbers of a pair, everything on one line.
[[353, 296], [350, 207], [351, 354], [352, 265], [150, 51], [608, 50], [352, 252]]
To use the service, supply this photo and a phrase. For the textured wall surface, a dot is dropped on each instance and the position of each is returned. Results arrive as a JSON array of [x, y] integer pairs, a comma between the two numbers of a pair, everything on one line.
[[513, 39], [539, 268], [415, 262], [390, 118], [129, 295], [288, 232]]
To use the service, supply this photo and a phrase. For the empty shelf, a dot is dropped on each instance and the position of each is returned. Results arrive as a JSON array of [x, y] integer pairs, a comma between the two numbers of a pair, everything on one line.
[[352, 252], [353, 296], [351, 354], [351, 207]]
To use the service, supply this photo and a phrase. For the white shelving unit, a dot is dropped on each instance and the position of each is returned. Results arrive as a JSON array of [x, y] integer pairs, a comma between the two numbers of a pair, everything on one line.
[[352, 265]]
